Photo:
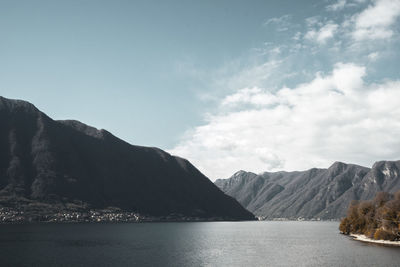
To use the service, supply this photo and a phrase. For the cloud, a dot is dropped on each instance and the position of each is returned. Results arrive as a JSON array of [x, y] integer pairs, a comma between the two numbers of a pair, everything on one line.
[[281, 23], [252, 96], [373, 56], [376, 21], [340, 4], [292, 106], [312, 21], [336, 116], [277, 20], [254, 75], [325, 33]]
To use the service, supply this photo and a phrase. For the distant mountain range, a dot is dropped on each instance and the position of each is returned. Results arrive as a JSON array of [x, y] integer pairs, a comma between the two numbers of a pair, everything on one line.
[[311, 194], [69, 164]]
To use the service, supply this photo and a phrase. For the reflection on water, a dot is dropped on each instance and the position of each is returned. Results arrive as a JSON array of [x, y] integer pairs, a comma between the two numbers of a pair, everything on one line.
[[188, 244]]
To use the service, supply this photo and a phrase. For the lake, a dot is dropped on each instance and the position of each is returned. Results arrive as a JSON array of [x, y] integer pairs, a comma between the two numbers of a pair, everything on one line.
[[188, 244]]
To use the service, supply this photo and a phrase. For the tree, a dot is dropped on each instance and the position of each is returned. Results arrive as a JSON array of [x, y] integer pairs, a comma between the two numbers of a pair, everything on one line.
[[378, 219]]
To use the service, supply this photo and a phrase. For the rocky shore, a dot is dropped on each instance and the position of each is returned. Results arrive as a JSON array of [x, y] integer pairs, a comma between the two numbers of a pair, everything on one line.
[[364, 238]]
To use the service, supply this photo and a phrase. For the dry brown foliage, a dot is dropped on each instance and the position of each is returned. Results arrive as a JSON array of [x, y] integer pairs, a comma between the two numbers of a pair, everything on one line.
[[378, 218]]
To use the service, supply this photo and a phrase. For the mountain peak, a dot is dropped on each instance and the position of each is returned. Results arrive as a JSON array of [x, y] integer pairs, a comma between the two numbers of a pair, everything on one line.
[[13, 105], [385, 163], [314, 193], [239, 173], [84, 128], [59, 163], [338, 164]]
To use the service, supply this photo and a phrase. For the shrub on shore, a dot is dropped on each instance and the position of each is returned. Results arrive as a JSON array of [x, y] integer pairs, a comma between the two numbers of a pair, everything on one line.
[[384, 235], [377, 219]]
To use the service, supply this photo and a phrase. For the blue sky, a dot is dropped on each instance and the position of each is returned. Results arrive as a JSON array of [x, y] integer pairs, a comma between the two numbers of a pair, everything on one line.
[[118, 64], [254, 85]]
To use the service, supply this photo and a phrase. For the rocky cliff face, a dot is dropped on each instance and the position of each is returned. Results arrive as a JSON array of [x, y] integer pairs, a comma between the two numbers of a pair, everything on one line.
[[315, 193], [47, 161]]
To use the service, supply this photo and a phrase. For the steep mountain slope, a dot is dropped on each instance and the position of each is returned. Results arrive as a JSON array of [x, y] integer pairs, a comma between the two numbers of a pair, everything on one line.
[[69, 162], [315, 193]]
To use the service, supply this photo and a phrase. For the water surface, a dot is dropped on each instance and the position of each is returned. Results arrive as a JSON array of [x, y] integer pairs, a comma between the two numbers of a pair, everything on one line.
[[188, 244]]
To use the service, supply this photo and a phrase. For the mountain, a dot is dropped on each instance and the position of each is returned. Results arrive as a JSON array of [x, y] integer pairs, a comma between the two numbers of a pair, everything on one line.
[[311, 194], [67, 163]]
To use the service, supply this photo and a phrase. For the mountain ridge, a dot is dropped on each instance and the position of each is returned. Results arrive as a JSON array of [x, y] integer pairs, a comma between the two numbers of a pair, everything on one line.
[[66, 161], [317, 193]]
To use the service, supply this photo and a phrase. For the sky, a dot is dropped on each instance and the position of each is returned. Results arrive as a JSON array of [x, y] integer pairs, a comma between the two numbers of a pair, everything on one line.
[[229, 85]]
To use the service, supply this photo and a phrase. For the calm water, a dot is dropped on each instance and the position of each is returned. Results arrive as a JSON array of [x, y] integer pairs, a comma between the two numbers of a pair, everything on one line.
[[188, 244]]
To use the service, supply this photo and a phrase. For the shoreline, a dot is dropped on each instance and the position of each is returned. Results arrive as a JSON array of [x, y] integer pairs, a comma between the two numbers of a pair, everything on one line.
[[23, 222], [12, 216], [366, 239]]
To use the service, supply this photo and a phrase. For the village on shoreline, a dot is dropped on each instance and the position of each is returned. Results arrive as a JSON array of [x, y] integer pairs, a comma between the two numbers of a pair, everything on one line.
[[12, 216]]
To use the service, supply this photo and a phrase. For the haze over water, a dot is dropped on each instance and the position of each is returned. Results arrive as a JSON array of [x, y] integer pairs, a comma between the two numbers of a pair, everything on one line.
[[188, 244]]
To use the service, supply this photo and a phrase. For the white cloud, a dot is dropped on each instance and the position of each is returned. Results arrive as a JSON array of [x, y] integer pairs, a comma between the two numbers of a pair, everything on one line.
[[278, 20], [271, 121], [251, 76], [373, 56], [376, 21], [281, 23], [333, 117], [340, 4], [253, 96], [323, 34], [312, 21], [297, 36]]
